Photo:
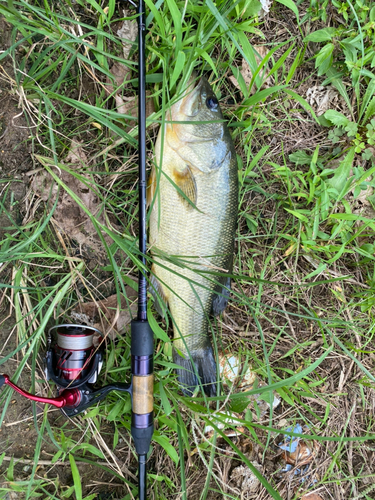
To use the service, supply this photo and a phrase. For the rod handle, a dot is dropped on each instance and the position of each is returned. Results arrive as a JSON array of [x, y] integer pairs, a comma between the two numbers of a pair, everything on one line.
[[142, 338], [142, 439]]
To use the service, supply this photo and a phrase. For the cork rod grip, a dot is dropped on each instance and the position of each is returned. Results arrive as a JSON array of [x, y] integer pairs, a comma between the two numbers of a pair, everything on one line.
[[143, 394]]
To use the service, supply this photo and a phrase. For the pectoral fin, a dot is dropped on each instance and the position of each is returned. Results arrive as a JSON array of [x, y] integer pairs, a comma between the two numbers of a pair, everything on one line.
[[185, 181]]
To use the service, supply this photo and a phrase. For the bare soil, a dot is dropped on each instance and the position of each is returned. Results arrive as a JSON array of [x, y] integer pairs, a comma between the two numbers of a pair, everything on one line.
[[15, 157]]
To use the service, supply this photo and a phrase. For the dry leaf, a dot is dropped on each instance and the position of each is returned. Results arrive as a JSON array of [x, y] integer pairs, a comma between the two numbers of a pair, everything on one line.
[[247, 73], [246, 480], [121, 73], [68, 215], [266, 5], [129, 106], [105, 314], [76, 153], [321, 98], [128, 32], [311, 496], [122, 105]]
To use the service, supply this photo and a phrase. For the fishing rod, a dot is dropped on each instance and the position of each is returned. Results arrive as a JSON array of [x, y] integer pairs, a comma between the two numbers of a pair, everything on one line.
[[74, 354], [142, 344]]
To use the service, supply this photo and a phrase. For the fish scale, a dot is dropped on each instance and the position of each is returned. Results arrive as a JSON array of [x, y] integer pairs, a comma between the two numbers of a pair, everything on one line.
[[200, 160]]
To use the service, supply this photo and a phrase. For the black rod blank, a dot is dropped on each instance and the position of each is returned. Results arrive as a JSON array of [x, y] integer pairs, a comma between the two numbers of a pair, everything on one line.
[[142, 348], [142, 477], [142, 282]]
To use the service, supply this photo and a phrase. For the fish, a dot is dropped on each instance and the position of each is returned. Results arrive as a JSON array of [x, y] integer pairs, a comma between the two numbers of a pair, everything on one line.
[[193, 199]]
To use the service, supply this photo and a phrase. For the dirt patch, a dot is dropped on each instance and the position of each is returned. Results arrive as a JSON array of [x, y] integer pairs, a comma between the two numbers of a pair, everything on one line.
[[15, 161], [17, 434]]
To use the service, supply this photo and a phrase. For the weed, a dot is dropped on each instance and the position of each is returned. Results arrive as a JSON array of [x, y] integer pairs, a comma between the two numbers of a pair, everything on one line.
[[302, 305]]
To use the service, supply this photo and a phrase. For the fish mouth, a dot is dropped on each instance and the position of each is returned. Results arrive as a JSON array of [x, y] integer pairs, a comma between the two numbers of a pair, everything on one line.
[[190, 104], [195, 97], [191, 116]]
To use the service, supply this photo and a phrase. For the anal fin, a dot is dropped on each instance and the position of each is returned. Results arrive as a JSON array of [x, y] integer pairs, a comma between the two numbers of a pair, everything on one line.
[[221, 297]]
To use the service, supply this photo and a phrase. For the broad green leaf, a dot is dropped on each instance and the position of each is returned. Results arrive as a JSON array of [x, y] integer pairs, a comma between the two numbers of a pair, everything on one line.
[[335, 78], [297, 214], [158, 332], [300, 158], [250, 8], [294, 66], [322, 35], [164, 443], [324, 58], [177, 21], [164, 399], [76, 478], [263, 94], [155, 13], [280, 61], [90, 448], [370, 111], [318, 270], [116, 410], [97, 7], [56, 456], [341, 175], [255, 160], [336, 118]]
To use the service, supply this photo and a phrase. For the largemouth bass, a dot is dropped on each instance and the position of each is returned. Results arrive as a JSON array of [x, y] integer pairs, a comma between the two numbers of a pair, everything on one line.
[[194, 199]]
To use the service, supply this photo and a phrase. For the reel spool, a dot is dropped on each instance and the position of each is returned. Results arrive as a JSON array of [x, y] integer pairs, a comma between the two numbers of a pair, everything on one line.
[[71, 358]]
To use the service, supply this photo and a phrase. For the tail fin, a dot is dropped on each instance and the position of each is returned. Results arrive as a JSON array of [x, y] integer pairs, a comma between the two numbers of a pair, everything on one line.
[[205, 366]]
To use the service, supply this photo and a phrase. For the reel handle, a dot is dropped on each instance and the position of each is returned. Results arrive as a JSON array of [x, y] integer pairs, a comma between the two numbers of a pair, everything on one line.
[[69, 397], [71, 401]]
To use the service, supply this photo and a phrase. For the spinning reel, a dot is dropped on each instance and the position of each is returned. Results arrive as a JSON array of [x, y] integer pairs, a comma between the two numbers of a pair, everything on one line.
[[73, 363]]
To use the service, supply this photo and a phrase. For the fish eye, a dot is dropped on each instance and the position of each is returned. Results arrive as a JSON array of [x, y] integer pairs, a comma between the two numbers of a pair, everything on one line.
[[212, 103]]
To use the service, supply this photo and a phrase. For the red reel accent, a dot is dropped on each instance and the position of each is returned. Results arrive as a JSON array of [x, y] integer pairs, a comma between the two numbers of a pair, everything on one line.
[[70, 398]]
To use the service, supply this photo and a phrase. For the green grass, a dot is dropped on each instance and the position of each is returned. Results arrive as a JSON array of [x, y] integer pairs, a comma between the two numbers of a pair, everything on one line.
[[302, 304]]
